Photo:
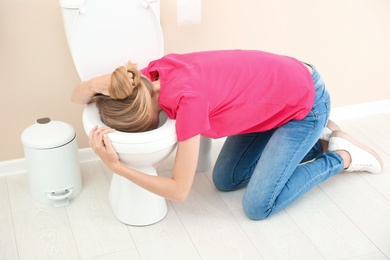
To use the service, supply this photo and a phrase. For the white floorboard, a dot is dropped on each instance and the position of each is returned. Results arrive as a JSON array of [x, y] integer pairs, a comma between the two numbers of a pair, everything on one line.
[[8, 248], [346, 217], [95, 228]]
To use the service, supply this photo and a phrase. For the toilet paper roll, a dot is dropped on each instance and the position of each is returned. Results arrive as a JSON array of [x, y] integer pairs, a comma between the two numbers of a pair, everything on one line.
[[188, 12]]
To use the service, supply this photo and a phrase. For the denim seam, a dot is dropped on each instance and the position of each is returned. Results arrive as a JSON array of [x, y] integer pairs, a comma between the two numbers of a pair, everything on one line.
[[309, 183], [273, 198], [243, 155], [319, 83], [339, 156]]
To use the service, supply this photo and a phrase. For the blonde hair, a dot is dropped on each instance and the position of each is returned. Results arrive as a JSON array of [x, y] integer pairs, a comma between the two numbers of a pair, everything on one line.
[[128, 108]]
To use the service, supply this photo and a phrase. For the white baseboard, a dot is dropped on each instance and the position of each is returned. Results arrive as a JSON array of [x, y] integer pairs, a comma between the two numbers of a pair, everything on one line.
[[87, 154], [12, 167], [360, 110], [338, 113], [19, 165]]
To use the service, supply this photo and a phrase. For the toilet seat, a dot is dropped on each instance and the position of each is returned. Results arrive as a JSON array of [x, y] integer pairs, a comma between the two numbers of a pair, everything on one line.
[[107, 34], [165, 133]]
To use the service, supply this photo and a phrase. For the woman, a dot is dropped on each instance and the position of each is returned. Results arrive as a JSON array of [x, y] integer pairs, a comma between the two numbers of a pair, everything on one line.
[[273, 108]]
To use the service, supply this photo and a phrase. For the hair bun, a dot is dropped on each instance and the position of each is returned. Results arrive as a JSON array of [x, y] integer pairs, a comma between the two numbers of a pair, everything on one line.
[[133, 70], [124, 80]]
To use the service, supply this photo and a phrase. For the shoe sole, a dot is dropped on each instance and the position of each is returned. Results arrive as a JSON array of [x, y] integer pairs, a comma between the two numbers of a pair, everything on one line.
[[347, 137], [332, 126]]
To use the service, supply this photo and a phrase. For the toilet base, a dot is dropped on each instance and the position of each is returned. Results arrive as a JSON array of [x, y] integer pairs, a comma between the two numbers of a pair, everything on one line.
[[205, 155], [133, 205]]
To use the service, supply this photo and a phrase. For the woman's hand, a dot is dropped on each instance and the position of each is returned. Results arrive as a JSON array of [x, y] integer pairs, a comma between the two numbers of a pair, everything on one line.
[[101, 145], [176, 187]]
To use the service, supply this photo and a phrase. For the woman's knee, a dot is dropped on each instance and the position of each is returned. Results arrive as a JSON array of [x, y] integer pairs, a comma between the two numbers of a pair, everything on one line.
[[226, 179], [222, 182], [219, 183], [255, 209]]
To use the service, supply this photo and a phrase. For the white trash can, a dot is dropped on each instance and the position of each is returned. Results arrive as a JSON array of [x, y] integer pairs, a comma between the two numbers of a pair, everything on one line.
[[53, 167]]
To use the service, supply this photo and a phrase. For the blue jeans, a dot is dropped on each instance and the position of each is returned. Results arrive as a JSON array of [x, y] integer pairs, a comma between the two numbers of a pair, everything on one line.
[[277, 166]]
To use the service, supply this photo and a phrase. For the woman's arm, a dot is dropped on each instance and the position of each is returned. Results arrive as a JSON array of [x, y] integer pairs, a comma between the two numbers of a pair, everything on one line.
[[83, 92], [175, 188]]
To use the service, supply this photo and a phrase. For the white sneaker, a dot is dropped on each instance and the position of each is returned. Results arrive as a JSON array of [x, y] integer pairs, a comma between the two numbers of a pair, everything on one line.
[[327, 132], [362, 157]]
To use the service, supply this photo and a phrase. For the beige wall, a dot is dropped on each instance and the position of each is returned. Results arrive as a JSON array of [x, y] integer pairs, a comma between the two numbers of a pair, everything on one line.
[[348, 41]]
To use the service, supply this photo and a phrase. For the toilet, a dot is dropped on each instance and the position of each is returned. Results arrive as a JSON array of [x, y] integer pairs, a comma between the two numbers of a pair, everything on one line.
[[103, 35], [130, 203]]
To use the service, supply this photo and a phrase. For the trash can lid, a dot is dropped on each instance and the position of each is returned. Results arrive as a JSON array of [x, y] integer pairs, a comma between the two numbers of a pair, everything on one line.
[[45, 134]]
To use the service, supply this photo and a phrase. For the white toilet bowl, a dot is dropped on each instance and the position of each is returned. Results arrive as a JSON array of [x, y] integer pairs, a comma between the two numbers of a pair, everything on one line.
[[103, 35], [132, 204]]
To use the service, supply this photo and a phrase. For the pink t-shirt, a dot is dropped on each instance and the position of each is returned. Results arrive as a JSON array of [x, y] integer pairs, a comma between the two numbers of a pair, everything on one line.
[[224, 93]]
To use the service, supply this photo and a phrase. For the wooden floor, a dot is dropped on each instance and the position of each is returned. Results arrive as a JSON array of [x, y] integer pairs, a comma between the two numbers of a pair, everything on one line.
[[346, 217]]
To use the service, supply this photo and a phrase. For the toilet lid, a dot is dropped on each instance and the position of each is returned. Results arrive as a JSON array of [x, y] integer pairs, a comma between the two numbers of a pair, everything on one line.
[[107, 34]]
